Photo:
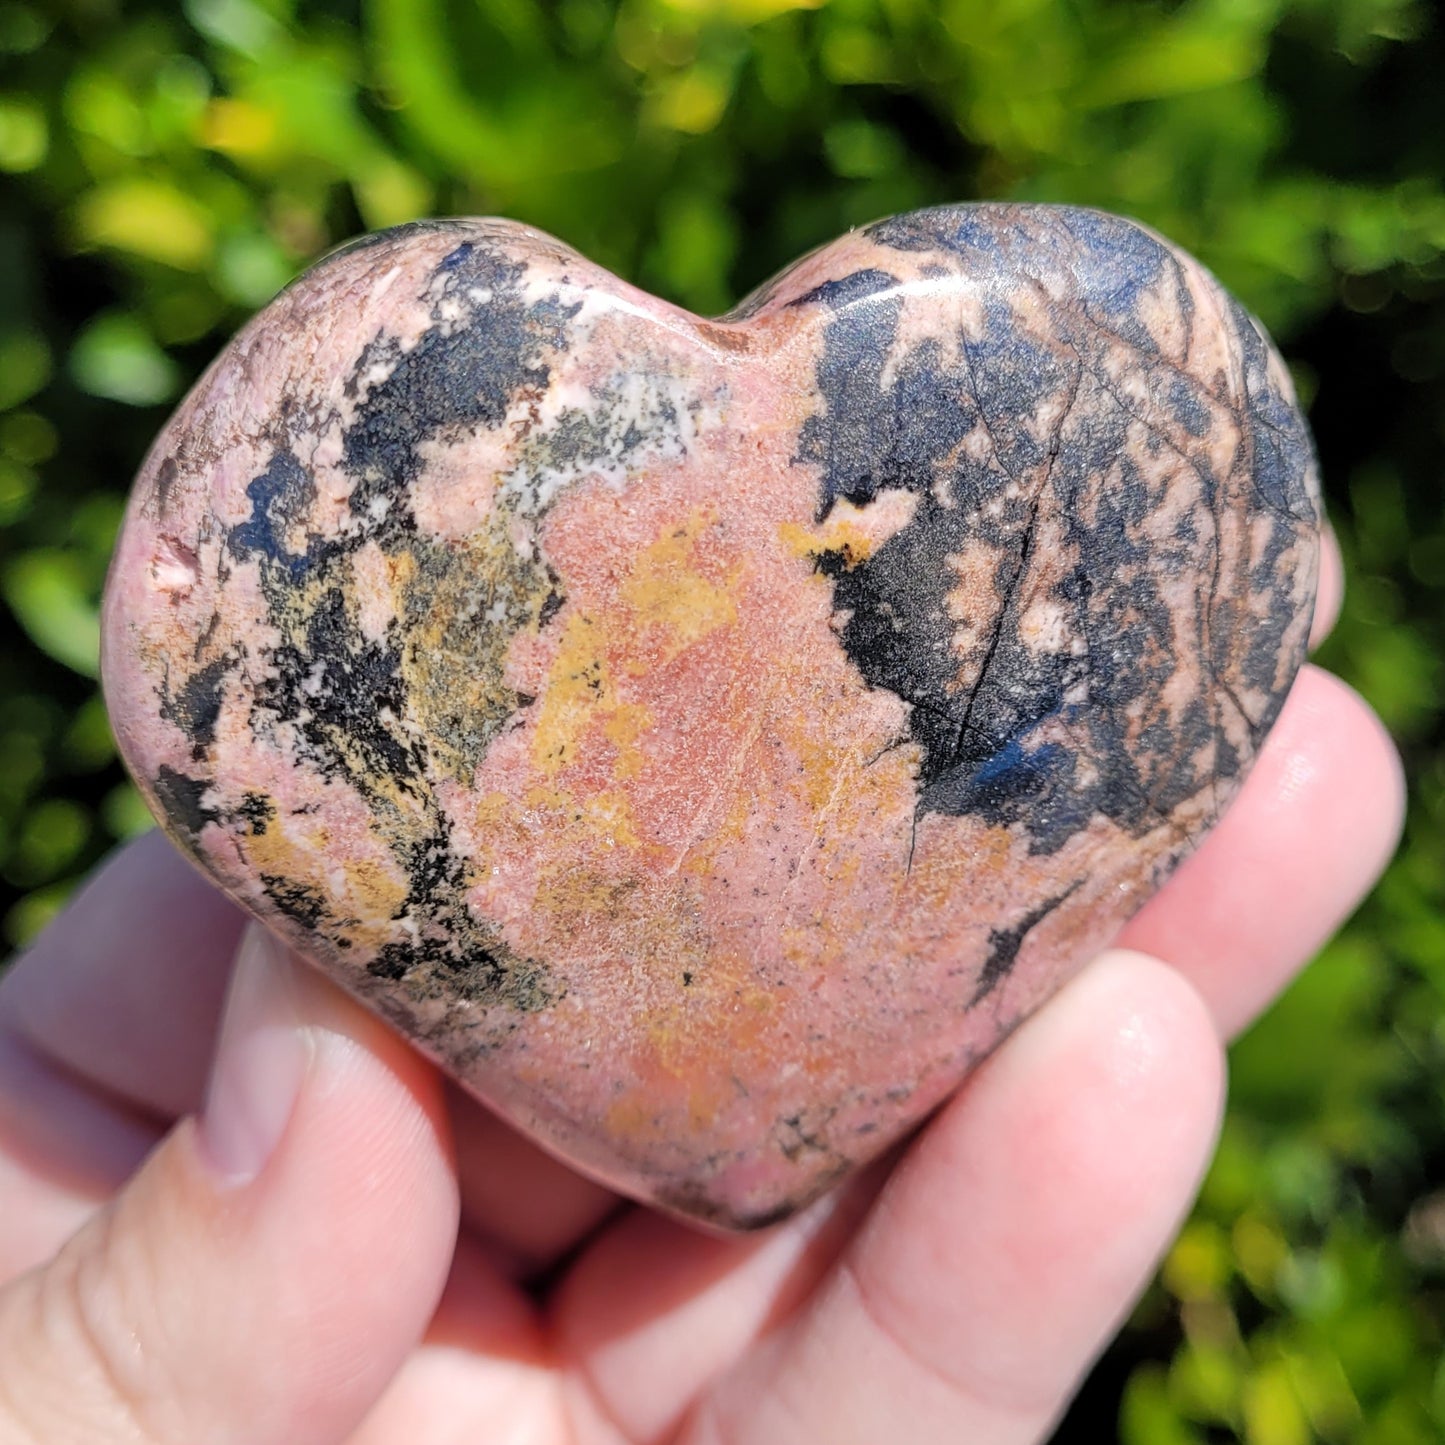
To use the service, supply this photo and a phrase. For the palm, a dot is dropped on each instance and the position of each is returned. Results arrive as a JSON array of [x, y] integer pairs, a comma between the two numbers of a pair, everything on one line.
[[955, 1291]]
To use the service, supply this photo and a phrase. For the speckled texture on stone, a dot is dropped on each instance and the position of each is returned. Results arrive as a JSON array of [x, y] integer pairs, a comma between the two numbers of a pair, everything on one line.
[[708, 739]]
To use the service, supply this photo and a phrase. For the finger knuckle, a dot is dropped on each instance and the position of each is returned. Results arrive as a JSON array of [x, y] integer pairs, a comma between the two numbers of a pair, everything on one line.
[[92, 1338]]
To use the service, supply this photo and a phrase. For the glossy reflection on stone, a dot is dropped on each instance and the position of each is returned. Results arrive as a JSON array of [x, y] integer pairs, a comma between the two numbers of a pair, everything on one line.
[[707, 739]]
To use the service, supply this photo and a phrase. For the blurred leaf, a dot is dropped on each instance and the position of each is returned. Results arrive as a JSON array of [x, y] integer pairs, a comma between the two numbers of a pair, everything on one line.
[[1375, 1343], [692, 101], [24, 134], [125, 813], [117, 358], [23, 28], [1321, 1045], [1310, 1284], [48, 592], [1400, 673], [101, 104], [24, 366], [1324, 1393], [53, 834], [88, 743], [28, 437], [243, 129], [743, 12], [17, 487], [1198, 1264], [1260, 1251], [149, 218], [1197, 50], [251, 268], [1148, 1416], [1272, 1413], [695, 243], [28, 918], [506, 137], [240, 25], [1205, 1381], [22, 760]]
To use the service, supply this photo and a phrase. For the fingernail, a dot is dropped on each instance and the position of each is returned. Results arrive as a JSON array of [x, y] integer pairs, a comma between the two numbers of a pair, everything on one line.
[[261, 1059]]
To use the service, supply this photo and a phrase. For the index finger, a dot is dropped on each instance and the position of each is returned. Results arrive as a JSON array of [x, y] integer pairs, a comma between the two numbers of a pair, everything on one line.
[[124, 989], [106, 1031], [1331, 590]]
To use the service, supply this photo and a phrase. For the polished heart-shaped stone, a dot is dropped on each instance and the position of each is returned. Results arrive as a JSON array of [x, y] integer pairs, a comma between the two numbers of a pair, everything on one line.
[[708, 739]]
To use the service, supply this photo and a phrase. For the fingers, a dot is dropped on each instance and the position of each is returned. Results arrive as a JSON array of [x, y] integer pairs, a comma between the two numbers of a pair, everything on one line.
[[1011, 1240], [527, 1206], [1303, 842], [656, 1309], [1331, 592], [483, 1373], [106, 1031], [264, 1274], [124, 989], [1308, 835]]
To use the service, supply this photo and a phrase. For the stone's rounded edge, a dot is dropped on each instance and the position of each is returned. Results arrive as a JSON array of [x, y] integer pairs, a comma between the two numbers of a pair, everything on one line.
[[700, 1211], [389, 235], [168, 501]]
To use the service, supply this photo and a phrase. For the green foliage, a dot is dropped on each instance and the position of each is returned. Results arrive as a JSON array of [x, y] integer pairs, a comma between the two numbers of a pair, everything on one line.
[[165, 169]]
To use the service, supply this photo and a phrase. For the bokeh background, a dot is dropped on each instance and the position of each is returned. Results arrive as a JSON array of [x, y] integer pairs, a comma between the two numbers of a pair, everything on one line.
[[165, 168]]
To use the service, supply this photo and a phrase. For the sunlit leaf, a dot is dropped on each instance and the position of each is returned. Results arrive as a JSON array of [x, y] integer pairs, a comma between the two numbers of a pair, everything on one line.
[[242, 128], [117, 358], [147, 217], [693, 101], [251, 268], [24, 134], [240, 25], [102, 105], [88, 743], [860, 149], [125, 814], [1175, 59], [51, 598], [1205, 1376], [388, 192], [1149, 1416], [1197, 1265], [743, 12], [1272, 1413]]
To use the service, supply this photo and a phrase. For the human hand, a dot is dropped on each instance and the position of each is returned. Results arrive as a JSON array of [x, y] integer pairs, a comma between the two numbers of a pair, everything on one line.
[[287, 1228]]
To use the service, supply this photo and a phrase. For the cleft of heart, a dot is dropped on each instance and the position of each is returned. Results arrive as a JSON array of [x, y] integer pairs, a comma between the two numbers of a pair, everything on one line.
[[707, 739]]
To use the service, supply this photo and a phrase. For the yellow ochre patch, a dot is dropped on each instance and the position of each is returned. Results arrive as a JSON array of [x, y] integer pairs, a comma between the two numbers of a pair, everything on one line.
[[672, 590], [673, 598], [581, 694], [359, 893], [851, 532]]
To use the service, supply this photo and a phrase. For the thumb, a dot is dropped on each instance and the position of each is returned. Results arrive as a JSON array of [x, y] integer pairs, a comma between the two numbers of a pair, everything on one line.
[[264, 1274]]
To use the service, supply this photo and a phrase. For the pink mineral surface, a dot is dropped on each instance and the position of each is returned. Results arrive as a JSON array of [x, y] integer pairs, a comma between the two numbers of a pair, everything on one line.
[[708, 739]]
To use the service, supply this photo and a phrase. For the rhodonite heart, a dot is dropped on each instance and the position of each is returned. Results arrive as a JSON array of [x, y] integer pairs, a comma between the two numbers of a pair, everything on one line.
[[708, 739]]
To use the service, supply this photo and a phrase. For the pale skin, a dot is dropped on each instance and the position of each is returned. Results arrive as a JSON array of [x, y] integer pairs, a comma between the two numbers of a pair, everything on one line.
[[288, 1228]]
